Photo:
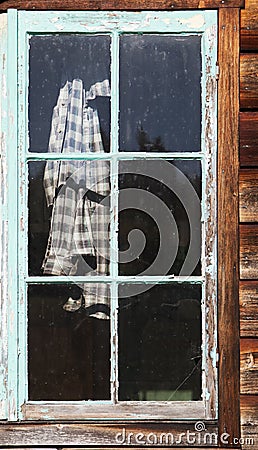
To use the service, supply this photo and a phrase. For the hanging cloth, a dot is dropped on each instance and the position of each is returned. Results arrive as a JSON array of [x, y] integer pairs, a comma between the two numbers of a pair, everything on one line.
[[78, 242]]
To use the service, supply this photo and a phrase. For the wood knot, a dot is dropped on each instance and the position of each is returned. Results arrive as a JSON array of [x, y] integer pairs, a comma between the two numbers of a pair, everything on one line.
[[250, 360]]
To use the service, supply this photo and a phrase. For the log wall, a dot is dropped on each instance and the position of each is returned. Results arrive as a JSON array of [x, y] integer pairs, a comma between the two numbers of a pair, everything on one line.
[[248, 196], [248, 217]]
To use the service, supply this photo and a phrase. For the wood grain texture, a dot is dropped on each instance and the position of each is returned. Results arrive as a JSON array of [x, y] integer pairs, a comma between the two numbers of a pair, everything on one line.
[[248, 195], [101, 435], [249, 26], [249, 80], [249, 138], [248, 300], [108, 448], [249, 421], [249, 366], [228, 275], [248, 252], [118, 4], [77, 433], [124, 411], [249, 409]]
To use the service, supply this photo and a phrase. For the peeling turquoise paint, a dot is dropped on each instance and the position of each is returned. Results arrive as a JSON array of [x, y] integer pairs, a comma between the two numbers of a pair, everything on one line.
[[203, 23], [95, 22], [114, 212], [214, 356], [209, 216], [207, 395], [12, 189], [4, 220]]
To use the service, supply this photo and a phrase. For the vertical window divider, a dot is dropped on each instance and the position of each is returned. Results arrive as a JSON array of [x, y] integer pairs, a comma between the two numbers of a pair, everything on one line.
[[23, 143], [209, 216], [4, 223], [12, 133], [203, 226], [114, 213]]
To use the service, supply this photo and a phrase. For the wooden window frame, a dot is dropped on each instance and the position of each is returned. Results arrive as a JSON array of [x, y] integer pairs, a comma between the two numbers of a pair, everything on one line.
[[228, 309], [202, 24]]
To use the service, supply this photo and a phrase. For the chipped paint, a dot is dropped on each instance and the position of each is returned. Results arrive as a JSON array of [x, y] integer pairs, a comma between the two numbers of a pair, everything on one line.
[[12, 215], [167, 21], [109, 22], [209, 137], [207, 396], [54, 20], [59, 27], [125, 21], [195, 22], [3, 223], [214, 356]]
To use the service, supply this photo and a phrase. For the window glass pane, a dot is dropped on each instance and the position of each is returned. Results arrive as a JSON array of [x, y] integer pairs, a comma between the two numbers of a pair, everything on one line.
[[69, 217], [160, 342], [160, 93], [64, 70], [160, 217], [68, 343]]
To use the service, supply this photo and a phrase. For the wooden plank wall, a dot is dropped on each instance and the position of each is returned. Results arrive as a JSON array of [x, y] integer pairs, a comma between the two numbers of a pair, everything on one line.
[[248, 216]]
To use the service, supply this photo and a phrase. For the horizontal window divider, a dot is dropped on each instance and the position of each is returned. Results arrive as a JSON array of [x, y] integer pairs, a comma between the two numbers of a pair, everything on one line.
[[109, 156], [161, 155], [119, 279], [109, 402], [66, 156], [129, 21], [61, 403], [99, 403]]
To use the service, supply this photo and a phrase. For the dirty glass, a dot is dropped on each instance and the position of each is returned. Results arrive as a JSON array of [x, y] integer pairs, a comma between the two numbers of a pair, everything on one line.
[[69, 216], [160, 343], [55, 59], [68, 352], [160, 93], [160, 217]]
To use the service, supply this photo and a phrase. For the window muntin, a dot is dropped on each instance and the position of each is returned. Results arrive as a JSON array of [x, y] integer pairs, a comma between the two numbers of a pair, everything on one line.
[[207, 31]]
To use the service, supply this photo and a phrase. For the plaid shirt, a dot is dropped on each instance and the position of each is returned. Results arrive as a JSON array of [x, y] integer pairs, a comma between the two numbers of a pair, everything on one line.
[[78, 240]]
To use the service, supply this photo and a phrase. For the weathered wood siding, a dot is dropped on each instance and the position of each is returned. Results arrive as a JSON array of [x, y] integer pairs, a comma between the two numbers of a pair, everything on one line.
[[248, 187], [248, 139], [228, 165], [248, 216]]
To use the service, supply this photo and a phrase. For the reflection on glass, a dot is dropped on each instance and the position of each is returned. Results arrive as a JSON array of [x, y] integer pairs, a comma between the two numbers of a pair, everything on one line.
[[160, 217], [68, 352], [54, 61], [160, 343], [160, 93], [69, 217]]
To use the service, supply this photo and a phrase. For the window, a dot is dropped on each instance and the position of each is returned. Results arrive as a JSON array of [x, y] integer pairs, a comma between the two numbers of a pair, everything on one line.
[[113, 290]]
